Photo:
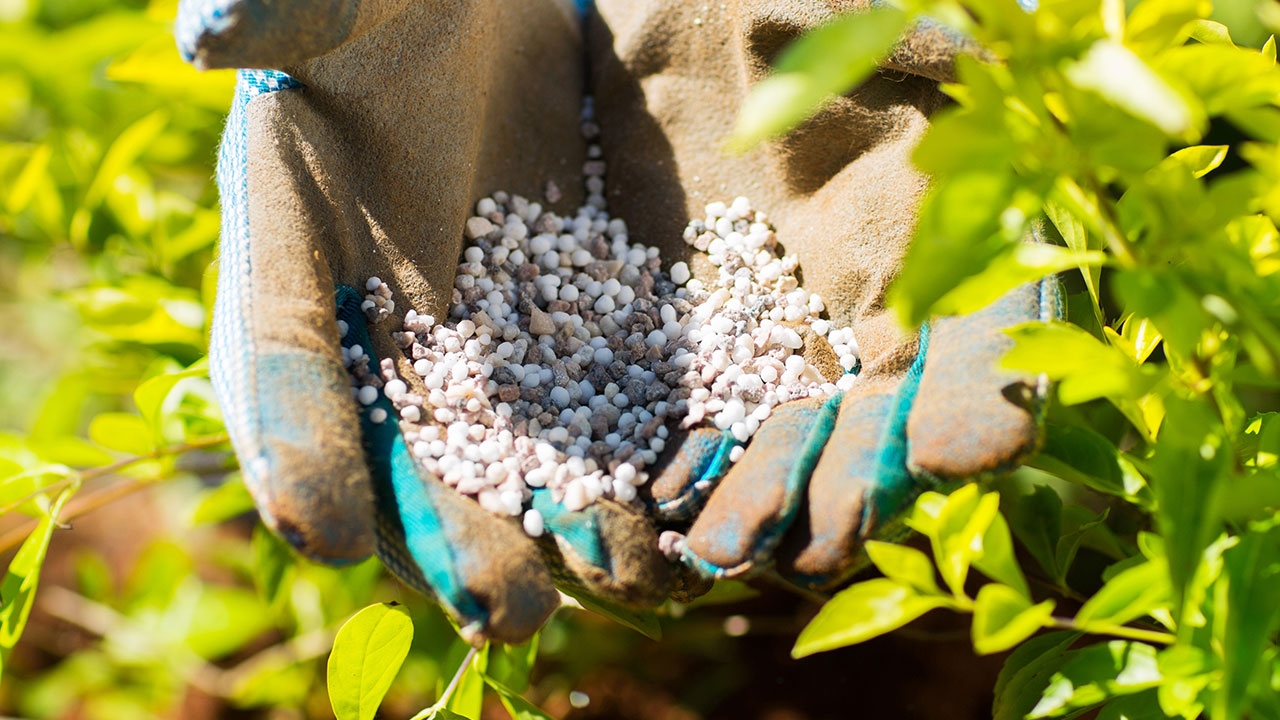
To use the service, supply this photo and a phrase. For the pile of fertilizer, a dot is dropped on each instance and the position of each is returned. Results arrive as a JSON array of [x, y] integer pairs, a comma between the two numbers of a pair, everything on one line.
[[569, 354]]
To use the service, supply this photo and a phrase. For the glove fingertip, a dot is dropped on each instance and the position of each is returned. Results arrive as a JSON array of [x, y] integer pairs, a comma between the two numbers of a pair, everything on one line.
[[608, 550]]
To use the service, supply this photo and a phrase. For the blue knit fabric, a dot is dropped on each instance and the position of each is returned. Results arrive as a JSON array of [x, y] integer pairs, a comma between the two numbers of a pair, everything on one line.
[[232, 354], [197, 17]]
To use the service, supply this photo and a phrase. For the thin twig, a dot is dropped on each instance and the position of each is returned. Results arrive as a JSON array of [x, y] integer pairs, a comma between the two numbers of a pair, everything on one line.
[[453, 685], [1120, 631], [98, 498], [774, 578]]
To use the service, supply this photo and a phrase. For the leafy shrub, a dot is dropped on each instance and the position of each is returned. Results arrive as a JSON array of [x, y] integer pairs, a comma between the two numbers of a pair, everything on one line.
[[1148, 140]]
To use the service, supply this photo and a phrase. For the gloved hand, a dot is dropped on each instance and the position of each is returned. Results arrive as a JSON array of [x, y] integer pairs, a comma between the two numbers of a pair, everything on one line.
[[819, 476], [361, 154]]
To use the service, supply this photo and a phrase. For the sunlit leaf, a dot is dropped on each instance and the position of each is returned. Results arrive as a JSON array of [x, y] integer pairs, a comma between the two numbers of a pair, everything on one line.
[[367, 654], [1127, 596], [1096, 673], [1115, 73], [905, 565], [1019, 264], [228, 500], [863, 611], [1026, 674], [518, 707], [1085, 368], [997, 560], [18, 588], [122, 432], [1004, 617]]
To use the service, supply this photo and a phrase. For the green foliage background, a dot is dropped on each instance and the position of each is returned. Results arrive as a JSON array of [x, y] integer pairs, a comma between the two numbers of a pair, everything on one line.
[[1134, 566]]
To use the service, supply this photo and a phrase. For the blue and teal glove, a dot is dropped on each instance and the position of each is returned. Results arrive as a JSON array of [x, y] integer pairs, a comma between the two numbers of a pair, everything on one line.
[[820, 476], [360, 153]]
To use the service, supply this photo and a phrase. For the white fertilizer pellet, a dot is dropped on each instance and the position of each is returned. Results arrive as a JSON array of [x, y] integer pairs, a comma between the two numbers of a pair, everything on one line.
[[568, 353]]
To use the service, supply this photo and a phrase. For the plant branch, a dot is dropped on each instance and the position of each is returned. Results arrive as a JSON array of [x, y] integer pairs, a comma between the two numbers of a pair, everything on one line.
[[1120, 631], [103, 496], [450, 688]]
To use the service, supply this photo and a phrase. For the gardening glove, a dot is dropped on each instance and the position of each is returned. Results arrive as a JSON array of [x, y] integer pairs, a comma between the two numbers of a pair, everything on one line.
[[820, 475], [361, 153]]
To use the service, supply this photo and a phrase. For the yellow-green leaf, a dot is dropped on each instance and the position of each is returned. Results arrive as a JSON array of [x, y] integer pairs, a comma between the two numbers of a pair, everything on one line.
[[1003, 617], [367, 654], [903, 564], [1114, 72], [861, 612]]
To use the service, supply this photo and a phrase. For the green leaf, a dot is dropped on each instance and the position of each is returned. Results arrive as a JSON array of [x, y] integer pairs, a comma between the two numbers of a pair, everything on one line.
[[1130, 595], [121, 432], [1036, 520], [1154, 25], [150, 395], [123, 153], [1138, 337], [961, 526], [827, 61], [1114, 72], [1080, 240], [957, 237], [25, 185], [1142, 706], [1210, 32], [1003, 617], [518, 707], [644, 622], [1224, 77], [18, 589], [1097, 673], [1084, 457], [468, 696], [229, 500], [1085, 368], [863, 611], [1026, 673], [1191, 460], [271, 560], [1018, 264], [1252, 571], [222, 620], [905, 565], [1078, 524], [1200, 159], [367, 654], [996, 560], [511, 665]]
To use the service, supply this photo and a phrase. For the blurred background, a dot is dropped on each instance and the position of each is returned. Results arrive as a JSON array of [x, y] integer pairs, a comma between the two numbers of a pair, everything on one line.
[[160, 595]]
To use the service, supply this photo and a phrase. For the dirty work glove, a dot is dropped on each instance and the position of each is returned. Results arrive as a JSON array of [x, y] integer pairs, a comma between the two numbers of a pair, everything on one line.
[[361, 154], [819, 476]]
